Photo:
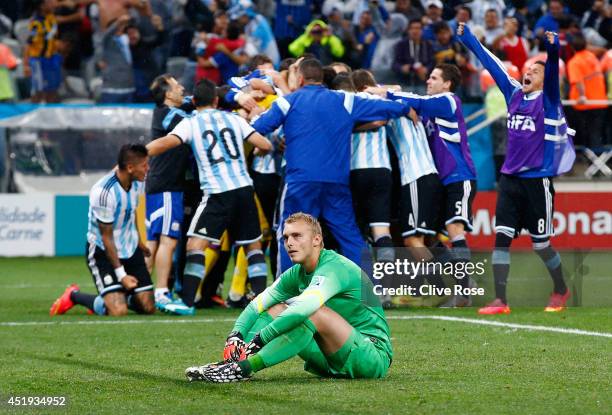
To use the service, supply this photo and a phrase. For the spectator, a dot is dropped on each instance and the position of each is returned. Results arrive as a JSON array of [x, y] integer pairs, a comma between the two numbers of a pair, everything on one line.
[[515, 48], [257, 29], [367, 39], [318, 41], [463, 15], [481, 7], [376, 7], [413, 58], [409, 9], [433, 15], [606, 66], [448, 50], [143, 61], [492, 28], [587, 83], [550, 21], [116, 63], [216, 56], [111, 10], [520, 12], [342, 29], [8, 62], [69, 18], [383, 55], [597, 19], [291, 19], [42, 62], [445, 49]]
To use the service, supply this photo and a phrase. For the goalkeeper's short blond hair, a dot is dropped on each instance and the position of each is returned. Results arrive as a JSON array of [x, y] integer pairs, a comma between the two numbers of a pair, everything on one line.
[[310, 220]]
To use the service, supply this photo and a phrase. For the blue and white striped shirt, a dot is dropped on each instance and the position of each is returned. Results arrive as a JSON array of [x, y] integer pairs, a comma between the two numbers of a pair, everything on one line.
[[270, 163], [216, 139], [369, 150], [412, 149], [110, 203]]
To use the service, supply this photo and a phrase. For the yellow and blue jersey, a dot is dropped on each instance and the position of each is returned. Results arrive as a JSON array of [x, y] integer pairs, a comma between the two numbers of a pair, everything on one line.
[[42, 40]]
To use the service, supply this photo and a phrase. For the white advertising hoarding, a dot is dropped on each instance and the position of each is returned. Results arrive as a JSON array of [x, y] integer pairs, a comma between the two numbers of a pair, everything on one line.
[[27, 225]]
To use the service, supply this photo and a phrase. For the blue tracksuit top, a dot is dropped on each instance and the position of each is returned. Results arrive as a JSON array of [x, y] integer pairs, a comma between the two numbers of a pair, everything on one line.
[[318, 124]]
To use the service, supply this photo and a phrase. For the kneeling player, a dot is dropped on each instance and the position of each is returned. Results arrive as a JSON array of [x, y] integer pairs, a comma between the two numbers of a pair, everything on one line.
[[321, 309], [115, 254]]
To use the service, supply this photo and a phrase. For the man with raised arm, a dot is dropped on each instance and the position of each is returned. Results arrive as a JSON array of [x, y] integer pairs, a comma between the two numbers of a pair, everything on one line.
[[539, 148]]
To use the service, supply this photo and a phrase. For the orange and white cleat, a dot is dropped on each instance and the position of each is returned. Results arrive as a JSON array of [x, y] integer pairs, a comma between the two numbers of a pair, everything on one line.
[[497, 306], [63, 303], [556, 303]]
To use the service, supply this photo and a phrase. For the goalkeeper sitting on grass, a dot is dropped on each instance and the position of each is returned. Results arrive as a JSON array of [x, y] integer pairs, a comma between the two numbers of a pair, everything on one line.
[[321, 309]]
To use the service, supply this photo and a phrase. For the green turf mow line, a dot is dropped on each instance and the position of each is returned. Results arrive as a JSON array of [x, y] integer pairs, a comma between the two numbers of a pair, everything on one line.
[[229, 320]]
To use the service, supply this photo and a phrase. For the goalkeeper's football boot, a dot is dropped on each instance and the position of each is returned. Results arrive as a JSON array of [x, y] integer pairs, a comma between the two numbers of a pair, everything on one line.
[[179, 308], [556, 303], [497, 306], [63, 303], [230, 372], [216, 372]]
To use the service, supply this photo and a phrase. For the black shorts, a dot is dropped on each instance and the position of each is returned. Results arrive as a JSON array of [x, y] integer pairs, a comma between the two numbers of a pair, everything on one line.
[[458, 199], [234, 211], [267, 188], [420, 206], [371, 192], [525, 204], [103, 272]]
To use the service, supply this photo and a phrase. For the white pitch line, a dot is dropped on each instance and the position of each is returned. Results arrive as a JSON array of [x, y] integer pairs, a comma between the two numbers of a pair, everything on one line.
[[230, 320], [508, 325]]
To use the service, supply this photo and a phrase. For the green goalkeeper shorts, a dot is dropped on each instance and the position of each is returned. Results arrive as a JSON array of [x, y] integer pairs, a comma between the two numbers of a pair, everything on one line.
[[360, 357]]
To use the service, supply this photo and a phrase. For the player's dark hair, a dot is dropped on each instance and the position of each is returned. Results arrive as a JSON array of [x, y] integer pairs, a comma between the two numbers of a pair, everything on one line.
[[223, 104], [543, 63], [258, 60], [129, 153], [450, 73], [362, 79], [308, 55], [311, 70], [328, 76], [204, 93], [492, 10], [342, 82], [159, 87], [286, 63]]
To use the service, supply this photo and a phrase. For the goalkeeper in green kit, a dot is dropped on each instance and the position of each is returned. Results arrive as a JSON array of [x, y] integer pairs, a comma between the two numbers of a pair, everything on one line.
[[321, 309]]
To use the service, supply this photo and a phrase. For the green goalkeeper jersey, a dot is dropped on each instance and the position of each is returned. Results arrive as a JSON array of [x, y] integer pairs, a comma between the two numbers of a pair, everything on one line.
[[336, 283]]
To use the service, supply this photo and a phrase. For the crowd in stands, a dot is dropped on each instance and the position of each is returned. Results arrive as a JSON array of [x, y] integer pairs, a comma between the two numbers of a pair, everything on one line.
[[109, 51]]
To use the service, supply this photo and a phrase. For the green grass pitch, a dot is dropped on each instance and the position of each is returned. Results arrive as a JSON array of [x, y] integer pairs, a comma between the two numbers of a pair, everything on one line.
[[135, 364]]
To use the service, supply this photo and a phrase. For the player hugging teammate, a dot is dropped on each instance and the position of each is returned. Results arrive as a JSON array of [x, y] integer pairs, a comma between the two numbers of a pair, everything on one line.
[[331, 160]]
